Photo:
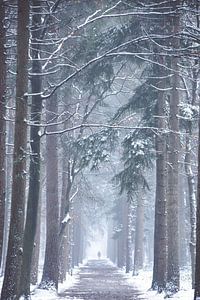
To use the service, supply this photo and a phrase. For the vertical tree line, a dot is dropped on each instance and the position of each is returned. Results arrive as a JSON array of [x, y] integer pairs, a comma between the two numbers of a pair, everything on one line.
[[96, 95]]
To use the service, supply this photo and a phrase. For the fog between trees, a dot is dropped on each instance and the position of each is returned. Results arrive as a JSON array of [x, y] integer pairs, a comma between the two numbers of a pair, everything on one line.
[[99, 116]]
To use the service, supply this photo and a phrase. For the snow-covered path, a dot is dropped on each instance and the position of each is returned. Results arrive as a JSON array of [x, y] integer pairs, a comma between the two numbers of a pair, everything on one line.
[[100, 280]]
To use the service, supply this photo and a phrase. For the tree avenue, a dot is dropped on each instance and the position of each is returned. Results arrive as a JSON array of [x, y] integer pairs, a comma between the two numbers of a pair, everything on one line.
[[99, 143]]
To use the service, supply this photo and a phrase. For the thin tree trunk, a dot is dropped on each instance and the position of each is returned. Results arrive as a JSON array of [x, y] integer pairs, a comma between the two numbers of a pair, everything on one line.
[[10, 289], [51, 263], [128, 236], [36, 250], [173, 273], [64, 240], [192, 203], [139, 236], [121, 240], [2, 122], [197, 269], [189, 172], [184, 251], [9, 166]]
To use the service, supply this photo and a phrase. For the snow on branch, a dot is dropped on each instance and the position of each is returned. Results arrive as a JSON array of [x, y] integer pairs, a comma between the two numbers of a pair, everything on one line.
[[66, 219]]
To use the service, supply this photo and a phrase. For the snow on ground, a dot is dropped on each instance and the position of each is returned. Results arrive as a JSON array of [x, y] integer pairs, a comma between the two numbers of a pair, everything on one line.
[[143, 283], [38, 294]]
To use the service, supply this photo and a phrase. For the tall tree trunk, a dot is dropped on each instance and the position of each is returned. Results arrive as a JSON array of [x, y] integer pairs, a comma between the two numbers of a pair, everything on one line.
[[111, 243], [51, 263], [64, 240], [173, 274], [10, 289], [160, 226], [189, 172], [36, 249], [34, 179], [128, 235], [9, 166], [197, 269], [192, 203], [184, 250], [139, 236], [2, 122], [121, 240]]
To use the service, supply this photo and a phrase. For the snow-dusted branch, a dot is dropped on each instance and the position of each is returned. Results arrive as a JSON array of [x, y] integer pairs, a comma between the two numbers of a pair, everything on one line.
[[66, 218]]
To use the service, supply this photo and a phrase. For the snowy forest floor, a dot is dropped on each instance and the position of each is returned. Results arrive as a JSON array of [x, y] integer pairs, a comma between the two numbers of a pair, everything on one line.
[[101, 280]]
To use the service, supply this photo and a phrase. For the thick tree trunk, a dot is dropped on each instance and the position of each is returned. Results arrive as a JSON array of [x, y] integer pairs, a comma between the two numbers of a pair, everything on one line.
[[2, 122], [34, 179], [10, 289], [173, 274], [160, 227], [51, 263], [139, 236]]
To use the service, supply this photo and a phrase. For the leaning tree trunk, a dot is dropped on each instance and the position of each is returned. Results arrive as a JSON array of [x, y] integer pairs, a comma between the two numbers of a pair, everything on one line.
[[51, 263], [34, 179], [10, 289], [2, 121], [173, 273]]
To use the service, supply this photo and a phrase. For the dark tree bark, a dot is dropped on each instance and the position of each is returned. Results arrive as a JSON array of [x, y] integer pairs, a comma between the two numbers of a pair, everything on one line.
[[173, 274], [10, 289], [51, 263], [160, 227], [34, 179], [2, 122]]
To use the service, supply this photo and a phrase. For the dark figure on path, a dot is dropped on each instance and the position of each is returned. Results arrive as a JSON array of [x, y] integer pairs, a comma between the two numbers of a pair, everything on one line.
[[99, 254]]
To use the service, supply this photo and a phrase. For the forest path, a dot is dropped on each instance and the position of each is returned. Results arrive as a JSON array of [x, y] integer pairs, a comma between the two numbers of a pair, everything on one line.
[[100, 280]]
